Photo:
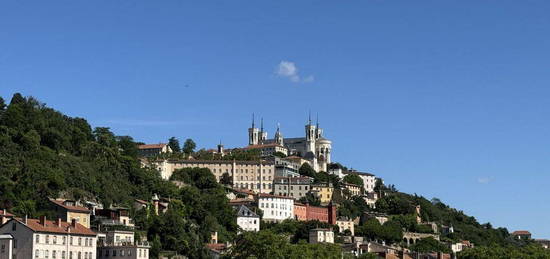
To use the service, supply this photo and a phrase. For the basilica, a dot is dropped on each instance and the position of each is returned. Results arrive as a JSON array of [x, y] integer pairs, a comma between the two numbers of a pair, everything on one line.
[[313, 148]]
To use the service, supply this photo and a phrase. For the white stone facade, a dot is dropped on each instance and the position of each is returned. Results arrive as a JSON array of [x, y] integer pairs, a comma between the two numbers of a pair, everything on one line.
[[276, 208], [321, 235]]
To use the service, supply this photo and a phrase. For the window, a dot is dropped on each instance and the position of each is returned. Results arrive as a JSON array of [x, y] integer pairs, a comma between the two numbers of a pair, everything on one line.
[[64, 240], [13, 226], [36, 252], [79, 243], [79, 255], [46, 253], [47, 239], [71, 243], [55, 239], [15, 243], [54, 254], [63, 255], [70, 255], [37, 239]]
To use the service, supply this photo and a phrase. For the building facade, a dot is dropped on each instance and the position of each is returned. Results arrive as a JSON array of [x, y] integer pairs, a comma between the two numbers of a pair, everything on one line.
[[305, 212], [41, 238], [149, 150], [251, 175], [276, 208], [122, 244], [321, 235], [247, 219], [344, 224], [323, 191], [295, 187], [68, 210]]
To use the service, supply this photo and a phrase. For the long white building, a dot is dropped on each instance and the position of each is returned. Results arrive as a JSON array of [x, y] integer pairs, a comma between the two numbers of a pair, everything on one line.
[[41, 238]]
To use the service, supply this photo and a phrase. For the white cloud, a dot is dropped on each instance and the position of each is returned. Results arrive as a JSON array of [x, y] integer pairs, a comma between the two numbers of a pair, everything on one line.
[[484, 180], [289, 70]]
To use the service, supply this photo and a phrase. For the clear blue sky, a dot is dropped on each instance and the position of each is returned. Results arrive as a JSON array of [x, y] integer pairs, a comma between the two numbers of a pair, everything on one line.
[[446, 99]]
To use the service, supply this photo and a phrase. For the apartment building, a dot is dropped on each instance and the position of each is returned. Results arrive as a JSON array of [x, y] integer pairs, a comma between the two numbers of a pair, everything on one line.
[[41, 238], [295, 187], [68, 210], [276, 208]]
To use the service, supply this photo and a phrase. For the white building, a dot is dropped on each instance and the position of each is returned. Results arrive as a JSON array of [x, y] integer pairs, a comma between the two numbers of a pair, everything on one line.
[[247, 219], [276, 208], [321, 235], [41, 238], [122, 244]]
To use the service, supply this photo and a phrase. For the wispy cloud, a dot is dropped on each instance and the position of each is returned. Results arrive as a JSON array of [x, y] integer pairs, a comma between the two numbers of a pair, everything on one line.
[[289, 70], [484, 180]]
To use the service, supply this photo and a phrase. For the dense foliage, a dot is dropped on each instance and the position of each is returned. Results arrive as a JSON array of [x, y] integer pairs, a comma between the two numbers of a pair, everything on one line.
[[44, 153], [47, 154]]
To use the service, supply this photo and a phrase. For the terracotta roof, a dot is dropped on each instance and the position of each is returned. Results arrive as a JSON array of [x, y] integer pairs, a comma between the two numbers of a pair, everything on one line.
[[521, 232], [249, 192], [70, 208], [52, 227], [150, 146], [262, 146], [4, 213], [216, 247], [141, 201], [265, 195]]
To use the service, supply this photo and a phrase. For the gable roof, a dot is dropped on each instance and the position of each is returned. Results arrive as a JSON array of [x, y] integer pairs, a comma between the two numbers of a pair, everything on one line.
[[70, 208], [52, 227], [246, 212], [151, 146], [521, 232]]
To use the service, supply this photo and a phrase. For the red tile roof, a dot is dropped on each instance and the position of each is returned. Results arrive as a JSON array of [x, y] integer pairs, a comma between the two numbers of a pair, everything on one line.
[[265, 195], [4, 213], [150, 146], [52, 227], [70, 208], [262, 146], [521, 232]]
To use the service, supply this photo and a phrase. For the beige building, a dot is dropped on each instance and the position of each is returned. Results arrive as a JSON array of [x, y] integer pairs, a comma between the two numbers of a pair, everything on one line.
[[41, 238], [67, 210], [354, 190], [268, 149], [345, 223], [153, 149], [251, 175]]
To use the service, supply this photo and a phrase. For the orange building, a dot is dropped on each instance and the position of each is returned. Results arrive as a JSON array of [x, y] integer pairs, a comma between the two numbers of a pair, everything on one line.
[[305, 212]]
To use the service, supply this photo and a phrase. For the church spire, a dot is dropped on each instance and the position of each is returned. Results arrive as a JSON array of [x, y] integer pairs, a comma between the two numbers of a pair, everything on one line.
[[262, 125], [309, 117]]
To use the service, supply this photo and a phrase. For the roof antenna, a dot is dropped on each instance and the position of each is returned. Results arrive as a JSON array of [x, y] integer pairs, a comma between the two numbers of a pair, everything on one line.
[[252, 120]]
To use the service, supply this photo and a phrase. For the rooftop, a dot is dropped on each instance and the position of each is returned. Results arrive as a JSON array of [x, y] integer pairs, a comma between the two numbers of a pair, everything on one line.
[[62, 203], [53, 227], [151, 146]]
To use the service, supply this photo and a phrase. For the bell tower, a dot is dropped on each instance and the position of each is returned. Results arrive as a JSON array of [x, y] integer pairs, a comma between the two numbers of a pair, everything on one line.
[[253, 134]]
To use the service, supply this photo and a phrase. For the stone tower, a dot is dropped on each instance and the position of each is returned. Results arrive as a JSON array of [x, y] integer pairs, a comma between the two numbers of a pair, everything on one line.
[[253, 134]]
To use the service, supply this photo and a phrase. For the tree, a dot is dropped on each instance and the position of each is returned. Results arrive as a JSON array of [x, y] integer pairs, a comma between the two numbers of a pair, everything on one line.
[[429, 244], [189, 146], [311, 199], [353, 179], [279, 154], [226, 179], [174, 144], [306, 170]]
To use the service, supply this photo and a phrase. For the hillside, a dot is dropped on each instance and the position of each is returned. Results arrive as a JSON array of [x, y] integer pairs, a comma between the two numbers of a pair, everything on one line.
[[44, 153]]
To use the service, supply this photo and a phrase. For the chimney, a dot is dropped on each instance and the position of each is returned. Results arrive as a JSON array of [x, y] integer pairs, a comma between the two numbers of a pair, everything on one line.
[[4, 211], [43, 220], [58, 222], [25, 219], [73, 223]]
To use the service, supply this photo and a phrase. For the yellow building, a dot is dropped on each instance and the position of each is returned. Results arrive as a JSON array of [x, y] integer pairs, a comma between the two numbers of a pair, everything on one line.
[[323, 191], [67, 210]]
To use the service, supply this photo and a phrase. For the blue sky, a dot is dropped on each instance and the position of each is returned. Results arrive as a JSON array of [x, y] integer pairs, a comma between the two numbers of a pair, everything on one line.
[[446, 99]]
